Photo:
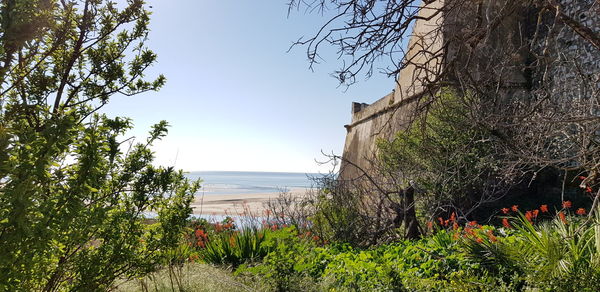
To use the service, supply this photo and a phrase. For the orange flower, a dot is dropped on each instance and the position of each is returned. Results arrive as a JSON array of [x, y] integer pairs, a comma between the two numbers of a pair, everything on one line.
[[528, 216], [441, 221], [453, 217], [429, 225], [455, 226], [562, 217], [566, 204], [455, 236], [580, 211], [315, 238], [479, 240], [274, 227], [515, 208], [544, 208], [473, 223], [469, 231], [200, 243], [505, 223], [218, 227], [505, 210], [491, 236], [536, 212], [193, 257]]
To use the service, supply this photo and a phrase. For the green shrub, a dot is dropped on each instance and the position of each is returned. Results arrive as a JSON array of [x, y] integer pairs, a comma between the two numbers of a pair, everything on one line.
[[236, 247], [560, 254], [451, 159], [74, 192], [289, 264]]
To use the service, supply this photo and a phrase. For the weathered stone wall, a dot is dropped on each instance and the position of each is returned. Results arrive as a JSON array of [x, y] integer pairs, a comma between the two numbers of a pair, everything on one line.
[[390, 114], [575, 59]]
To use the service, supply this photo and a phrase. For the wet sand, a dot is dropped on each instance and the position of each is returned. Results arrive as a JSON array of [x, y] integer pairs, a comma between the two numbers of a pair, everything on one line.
[[237, 204]]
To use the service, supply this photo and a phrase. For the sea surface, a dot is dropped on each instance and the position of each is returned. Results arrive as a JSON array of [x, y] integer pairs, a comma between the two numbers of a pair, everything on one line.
[[247, 182]]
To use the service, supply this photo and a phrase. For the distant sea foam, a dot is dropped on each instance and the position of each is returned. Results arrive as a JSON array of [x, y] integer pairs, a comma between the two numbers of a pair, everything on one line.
[[247, 182]]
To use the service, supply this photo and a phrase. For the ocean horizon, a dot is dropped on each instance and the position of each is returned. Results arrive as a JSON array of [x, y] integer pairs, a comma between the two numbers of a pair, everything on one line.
[[250, 182]]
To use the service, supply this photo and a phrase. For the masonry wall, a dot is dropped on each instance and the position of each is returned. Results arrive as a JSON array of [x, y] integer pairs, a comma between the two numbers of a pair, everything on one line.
[[391, 113]]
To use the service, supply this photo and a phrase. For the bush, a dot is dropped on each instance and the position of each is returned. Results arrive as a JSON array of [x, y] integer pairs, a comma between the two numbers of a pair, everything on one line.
[[234, 248], [560, 254], [74, 192], [289, 264]]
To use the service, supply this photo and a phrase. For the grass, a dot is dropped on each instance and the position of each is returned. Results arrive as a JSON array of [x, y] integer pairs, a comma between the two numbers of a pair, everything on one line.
[[191, 277]]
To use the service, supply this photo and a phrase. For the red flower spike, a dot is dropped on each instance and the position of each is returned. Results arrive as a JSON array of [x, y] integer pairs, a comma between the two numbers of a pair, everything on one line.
[[515, 208], [562, 217], [473, 223], [469, 231], [455, 226], [491, 236], [544, 208], [580, 211], [536, 212], [567, 204], [588, 190], [505, 210], [453, 217], [441, 220], [479, 240], [528, 216], [505, 223]]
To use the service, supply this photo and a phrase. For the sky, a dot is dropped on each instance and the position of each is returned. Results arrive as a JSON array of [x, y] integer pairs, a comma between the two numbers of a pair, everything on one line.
[[235, 98]]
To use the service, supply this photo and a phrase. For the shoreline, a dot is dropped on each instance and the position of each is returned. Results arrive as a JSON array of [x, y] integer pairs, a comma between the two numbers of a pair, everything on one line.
[[237, 204]]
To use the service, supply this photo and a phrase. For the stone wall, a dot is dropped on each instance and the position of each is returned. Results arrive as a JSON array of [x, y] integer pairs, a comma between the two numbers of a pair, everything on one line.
[[393, 112]]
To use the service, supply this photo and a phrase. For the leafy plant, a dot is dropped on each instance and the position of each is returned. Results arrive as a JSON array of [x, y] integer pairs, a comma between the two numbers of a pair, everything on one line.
[[75, 194], [234, 248]]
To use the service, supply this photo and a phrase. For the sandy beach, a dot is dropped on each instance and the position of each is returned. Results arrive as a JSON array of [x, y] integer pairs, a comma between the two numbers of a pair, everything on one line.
[[236, 204]]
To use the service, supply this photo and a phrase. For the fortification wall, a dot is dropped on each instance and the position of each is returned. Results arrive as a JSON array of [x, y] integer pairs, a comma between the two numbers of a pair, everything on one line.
[[391, 113]]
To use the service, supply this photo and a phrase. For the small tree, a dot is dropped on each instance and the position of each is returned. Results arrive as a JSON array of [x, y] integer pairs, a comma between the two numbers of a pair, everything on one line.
[[73, 192], [453, 163]]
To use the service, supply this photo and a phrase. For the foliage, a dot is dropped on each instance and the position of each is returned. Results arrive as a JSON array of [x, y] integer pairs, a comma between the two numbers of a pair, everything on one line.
[[560, 254], [339, 216], [232, 247], [287, 266], [531, 253], [74, 194], [447, 157]]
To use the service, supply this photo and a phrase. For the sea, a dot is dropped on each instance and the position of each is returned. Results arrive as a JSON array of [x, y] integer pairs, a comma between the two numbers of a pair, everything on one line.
[[251, 182]]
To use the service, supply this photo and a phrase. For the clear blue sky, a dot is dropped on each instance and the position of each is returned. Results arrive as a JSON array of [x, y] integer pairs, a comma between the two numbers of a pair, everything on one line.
[[234, 98]]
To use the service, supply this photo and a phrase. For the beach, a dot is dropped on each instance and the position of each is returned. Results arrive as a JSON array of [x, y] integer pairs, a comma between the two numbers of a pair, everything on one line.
[[237, 204]]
